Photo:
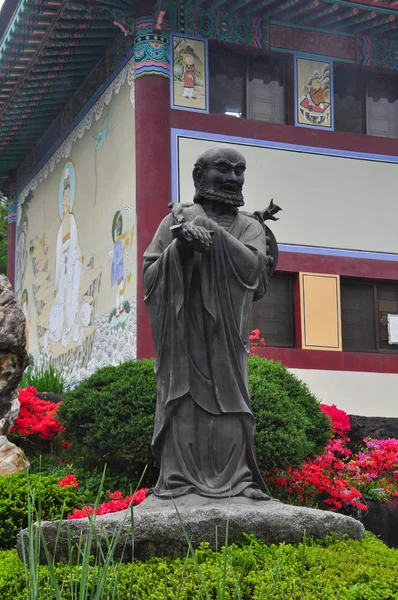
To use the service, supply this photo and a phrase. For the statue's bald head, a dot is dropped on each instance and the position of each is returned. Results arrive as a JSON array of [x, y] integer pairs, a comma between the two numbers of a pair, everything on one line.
[[218, 175]]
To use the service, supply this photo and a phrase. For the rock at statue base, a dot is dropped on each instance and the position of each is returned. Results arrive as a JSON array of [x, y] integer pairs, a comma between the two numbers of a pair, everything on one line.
[[158, 530], [12, 458]]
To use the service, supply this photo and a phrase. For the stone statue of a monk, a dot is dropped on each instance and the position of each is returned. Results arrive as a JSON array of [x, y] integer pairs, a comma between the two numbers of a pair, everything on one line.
[[205, 266]]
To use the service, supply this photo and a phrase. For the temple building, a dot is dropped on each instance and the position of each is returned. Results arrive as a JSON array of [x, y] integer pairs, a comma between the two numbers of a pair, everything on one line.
[[104, 107]]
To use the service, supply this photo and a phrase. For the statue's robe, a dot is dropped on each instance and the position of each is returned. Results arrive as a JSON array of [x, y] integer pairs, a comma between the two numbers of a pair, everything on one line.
[[199, 307]]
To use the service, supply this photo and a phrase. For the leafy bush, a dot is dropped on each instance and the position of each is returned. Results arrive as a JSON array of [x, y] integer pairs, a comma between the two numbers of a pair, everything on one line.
[[109, 420], [44, 380], [290, 426], [331, 570], [14, 505]]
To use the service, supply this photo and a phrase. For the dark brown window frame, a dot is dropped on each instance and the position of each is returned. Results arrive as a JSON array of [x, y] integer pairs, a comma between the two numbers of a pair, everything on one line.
[[291, 278], [371, 284]]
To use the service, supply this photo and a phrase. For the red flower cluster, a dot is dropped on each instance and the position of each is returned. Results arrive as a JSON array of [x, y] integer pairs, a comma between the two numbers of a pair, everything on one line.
[[321, 480], [116, 502], [340, 421], [36, 416], [376, 468], [338, 479], [69, 481], [255, 340]]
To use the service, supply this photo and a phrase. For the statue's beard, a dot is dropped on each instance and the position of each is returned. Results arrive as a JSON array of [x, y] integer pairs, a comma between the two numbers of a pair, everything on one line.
[[209, 194]]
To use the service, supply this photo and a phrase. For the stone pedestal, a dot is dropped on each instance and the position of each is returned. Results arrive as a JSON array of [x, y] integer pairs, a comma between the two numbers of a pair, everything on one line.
[[159, 526]]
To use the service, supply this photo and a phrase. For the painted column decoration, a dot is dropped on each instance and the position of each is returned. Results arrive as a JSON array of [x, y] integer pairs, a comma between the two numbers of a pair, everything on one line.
[[153, 163], [151, 49]]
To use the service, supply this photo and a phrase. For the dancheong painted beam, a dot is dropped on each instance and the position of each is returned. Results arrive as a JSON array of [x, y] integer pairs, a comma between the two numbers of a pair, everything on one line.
[[49, 47]]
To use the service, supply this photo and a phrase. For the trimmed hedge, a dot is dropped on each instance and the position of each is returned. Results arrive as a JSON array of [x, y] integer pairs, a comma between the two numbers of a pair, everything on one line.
[[109, 420], [331, 570], [14, 502]]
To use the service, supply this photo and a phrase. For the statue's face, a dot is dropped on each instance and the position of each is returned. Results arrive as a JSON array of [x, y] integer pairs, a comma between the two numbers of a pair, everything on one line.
[[223, 177]]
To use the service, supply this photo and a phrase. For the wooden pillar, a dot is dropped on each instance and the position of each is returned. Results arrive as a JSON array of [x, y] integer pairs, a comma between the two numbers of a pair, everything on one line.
[[12, 227], [153, 153]]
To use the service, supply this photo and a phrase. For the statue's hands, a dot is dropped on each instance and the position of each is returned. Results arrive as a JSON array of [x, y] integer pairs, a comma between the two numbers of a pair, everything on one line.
[[193, 235]]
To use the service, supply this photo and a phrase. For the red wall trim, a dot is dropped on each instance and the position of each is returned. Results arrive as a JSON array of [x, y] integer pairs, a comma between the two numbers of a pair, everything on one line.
[[296, 358], [362, 268], [246, 128]]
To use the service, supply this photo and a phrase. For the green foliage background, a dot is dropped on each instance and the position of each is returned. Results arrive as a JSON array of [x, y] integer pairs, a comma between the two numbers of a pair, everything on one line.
[[109, 420], [14, 502], [329, 570]]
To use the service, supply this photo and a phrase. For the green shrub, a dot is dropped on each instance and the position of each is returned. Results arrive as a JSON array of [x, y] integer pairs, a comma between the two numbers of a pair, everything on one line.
[[331, 570], [44, 380], [109, 420], [290, 426], [14, 505]]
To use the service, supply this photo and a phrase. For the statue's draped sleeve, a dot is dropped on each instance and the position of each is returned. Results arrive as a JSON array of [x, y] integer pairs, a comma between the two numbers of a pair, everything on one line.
[[199, 307]]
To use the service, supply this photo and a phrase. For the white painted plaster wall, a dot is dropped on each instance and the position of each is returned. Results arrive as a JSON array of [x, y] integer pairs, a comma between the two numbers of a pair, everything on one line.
[[366, 394], [327, 201]]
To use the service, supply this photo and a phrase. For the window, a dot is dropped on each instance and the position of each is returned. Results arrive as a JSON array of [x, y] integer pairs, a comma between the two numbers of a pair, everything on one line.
[[227, 82], [266, 91], [349, 101], [365, 103], [244, 86], [382, 107], [364, 311], [273, 314], [358, 317]]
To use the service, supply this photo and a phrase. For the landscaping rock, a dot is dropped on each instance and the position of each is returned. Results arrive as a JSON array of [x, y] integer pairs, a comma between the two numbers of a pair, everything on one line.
[[382, 520], [12, 459], [158, 530], [13, 362], [13, 355], [379, 428]]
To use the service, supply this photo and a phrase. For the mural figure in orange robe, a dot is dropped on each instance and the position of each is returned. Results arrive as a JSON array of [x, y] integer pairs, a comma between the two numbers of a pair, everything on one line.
[[316, 94]]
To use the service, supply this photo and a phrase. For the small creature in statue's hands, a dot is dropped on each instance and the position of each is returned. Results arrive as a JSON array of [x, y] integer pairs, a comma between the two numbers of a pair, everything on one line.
[[193, 236]]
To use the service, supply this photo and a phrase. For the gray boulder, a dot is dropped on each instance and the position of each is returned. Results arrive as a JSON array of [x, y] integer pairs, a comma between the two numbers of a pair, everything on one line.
[[13, 362], [157, 528], [13, 355]]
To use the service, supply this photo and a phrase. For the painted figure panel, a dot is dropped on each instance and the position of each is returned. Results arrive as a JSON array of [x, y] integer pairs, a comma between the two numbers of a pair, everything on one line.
[[76, 249], [189, 81], [313, 93]]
